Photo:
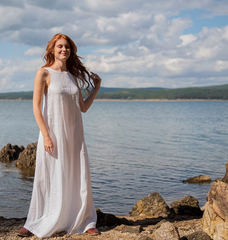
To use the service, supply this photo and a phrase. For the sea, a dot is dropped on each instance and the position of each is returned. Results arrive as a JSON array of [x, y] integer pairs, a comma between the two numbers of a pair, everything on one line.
[[135, 148]]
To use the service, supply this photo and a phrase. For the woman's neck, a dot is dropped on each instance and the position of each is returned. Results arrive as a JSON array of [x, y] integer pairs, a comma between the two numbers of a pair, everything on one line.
[[59, 66]]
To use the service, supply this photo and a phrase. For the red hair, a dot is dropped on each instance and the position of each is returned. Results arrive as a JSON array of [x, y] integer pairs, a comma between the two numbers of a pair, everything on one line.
[[73, 63]]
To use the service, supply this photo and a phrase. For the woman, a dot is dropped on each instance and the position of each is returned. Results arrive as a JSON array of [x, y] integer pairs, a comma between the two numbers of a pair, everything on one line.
[[62, 194]]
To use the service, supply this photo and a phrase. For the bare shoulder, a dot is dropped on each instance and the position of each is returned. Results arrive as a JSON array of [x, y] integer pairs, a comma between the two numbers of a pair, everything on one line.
[[42, 76], [42, 72]]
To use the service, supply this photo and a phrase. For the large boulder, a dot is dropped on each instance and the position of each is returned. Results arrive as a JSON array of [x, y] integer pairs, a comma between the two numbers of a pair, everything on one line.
[[27, 158], [167, 231], [187, 206], [10, 153], [215, 217], [152, 205], [198, 179]]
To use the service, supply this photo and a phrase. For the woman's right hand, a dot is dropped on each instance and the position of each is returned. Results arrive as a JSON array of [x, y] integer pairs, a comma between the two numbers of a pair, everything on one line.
[[48, 144]]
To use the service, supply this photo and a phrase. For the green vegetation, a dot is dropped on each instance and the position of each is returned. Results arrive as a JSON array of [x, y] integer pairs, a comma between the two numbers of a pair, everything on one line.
[[212, 92], [17, 95], [216, 92]]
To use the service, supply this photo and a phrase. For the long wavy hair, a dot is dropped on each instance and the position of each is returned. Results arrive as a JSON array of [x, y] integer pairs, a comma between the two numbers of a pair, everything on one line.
[[73, 63]]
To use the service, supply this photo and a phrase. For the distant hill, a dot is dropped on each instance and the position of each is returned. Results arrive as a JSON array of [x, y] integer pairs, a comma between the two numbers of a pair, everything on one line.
[[17, 95], [105, 89], [209, 92]]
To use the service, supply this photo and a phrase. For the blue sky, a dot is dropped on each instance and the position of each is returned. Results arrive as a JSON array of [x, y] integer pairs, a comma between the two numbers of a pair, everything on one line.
[[129, 43]]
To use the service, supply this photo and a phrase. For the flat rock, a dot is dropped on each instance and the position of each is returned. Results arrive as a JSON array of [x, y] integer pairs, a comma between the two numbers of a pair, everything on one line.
[[187, 227], [152, 205], [131, 229], [10, 153], [198, 179], [167, 231], [27, 158], [187, 206]]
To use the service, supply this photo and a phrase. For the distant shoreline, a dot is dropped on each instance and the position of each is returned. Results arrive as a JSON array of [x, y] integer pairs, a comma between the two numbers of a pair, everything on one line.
[[160, 100], [142, 100]]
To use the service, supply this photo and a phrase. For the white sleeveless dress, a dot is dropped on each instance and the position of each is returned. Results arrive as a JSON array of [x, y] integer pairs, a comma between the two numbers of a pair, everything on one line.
[[62, 195]]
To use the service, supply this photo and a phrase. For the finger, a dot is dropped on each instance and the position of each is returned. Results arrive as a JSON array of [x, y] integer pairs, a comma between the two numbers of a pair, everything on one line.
[[94, 74], [51, 149]]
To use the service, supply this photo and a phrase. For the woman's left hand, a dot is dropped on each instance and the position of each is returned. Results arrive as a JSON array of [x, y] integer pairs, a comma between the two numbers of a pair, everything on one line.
[[96, 80]]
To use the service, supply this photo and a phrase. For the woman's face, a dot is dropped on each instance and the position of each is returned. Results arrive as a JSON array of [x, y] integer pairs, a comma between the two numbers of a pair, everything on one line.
[[62, 50]]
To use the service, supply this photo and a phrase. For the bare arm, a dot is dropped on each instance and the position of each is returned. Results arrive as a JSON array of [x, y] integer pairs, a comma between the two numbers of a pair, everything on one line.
[[85, 104], [39, 86]]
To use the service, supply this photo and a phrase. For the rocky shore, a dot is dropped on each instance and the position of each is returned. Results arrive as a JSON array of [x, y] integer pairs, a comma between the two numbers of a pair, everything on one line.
[[151, 218]]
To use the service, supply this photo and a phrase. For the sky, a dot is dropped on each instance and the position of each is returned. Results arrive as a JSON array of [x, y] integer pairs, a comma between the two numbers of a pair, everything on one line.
[[129, 43]]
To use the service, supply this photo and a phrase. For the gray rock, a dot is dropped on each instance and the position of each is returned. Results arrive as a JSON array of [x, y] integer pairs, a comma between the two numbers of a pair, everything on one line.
[[152, 205], [10, 153], [167, 231], [187, 206], [198, 179], [27, 158]]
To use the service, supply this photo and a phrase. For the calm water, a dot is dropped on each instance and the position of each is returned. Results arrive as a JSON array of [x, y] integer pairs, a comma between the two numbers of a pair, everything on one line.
[[135, 148]]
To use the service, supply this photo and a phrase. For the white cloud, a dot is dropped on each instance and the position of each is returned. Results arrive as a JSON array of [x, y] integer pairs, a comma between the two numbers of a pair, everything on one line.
[[186, 39], [35, 51], [18, 74], [142, 43], [221, 66], [3, 83]]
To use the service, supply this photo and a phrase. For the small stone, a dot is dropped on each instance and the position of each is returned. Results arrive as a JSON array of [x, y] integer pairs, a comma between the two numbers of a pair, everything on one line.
[[167, 231], [198, 179]]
